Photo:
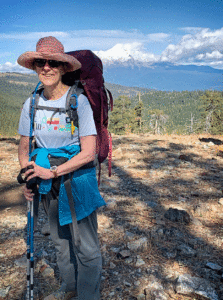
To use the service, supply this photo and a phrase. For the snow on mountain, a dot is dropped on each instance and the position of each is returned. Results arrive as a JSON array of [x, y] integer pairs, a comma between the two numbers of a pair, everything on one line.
[[122, 53], [131, 65]]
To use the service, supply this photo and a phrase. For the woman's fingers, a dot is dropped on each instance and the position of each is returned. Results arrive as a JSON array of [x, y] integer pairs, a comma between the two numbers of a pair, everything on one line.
[[31, 170], [28, 194], [37, 171]]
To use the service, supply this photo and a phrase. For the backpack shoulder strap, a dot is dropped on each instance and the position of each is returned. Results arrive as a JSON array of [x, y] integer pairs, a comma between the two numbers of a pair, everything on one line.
[[74, 92], [72, 105]]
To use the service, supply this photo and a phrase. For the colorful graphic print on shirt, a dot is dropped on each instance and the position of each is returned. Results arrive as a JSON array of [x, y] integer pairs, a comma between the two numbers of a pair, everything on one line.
[[52, 124]]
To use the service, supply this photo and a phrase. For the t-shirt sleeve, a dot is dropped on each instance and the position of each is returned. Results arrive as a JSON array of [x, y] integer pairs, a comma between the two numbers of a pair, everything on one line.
[[24, 122], [86, 119]]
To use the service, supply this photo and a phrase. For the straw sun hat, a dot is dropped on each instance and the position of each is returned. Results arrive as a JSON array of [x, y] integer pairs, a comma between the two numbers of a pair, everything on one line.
[[49, 48]]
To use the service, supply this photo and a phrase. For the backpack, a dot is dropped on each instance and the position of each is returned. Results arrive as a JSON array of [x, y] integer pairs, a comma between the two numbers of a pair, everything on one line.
[[89, 81]]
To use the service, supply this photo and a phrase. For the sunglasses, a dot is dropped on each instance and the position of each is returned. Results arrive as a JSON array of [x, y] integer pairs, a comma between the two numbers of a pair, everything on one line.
[[40, 63]]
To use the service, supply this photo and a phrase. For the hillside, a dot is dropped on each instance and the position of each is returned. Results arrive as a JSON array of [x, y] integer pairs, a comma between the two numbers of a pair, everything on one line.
[[15, 89], [160, 233], [181, 108]]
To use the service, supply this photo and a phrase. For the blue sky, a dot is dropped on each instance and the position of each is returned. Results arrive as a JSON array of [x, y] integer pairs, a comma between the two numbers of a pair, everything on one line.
[[181, 32]]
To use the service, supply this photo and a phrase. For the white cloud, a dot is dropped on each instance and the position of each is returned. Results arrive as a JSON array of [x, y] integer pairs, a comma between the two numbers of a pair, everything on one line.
[[9, 67], [196, 48], [199, 46], [158, 37], [204, 47], [88, 39], [214, 55]]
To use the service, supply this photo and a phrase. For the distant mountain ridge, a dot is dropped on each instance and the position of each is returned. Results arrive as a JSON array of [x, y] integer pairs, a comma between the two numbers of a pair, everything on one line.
[[129, 76], [31, 80], [163, 76]]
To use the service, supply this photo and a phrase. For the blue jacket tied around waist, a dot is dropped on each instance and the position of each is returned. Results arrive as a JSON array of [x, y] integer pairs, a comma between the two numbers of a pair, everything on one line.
[[84, 185]]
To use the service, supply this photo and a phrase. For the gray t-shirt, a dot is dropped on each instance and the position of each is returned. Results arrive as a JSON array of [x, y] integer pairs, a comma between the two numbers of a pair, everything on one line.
[[57, 133]]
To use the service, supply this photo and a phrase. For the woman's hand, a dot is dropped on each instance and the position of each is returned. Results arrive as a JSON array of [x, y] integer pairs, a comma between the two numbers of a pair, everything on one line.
[[38, 171], [28, 194]]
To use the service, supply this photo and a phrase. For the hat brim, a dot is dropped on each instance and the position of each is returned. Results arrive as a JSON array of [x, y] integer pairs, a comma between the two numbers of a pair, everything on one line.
[[26, 60]]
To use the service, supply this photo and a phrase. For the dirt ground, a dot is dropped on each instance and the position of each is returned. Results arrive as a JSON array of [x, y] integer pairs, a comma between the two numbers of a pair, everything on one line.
[[183, 172]]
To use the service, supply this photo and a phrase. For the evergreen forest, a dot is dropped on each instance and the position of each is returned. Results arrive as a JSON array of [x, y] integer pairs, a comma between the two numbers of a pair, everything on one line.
[[135, 110]]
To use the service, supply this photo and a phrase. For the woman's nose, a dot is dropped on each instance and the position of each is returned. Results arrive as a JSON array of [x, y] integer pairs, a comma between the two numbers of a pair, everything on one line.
[[47, 66]]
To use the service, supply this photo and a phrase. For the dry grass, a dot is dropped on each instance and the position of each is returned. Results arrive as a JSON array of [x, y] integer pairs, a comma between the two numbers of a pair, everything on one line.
[[183, 172]]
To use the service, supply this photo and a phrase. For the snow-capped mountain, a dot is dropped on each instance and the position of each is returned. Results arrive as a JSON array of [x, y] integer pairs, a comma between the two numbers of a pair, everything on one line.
[[127, 54], [129, 65]]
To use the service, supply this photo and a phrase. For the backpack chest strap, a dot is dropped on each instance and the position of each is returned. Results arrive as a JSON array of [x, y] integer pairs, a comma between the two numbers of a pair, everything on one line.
[[49, 108]]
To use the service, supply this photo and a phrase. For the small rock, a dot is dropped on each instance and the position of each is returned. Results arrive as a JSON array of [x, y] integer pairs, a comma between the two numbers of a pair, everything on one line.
[[128, 260], [196, 222], [130, 235], [211, 144], [214, 266], [186, 250], [44, 269], [111, 205], [48, 272], [21, 262], [151, 204], [115, 250], [160, 222], [4, 292], [127, 283], [124, 254], [140, 244], [112, 265], [220, 201], [169, 254], [139, 262], [188, 285], [176, 215], [155, 289]]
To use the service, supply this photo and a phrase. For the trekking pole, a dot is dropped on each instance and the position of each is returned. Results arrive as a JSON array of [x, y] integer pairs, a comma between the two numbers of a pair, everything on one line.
[[28, 251], [31, 249], [30, 216]]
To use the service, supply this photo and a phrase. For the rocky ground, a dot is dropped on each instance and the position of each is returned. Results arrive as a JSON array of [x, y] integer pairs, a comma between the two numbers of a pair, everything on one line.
[[161, 232]]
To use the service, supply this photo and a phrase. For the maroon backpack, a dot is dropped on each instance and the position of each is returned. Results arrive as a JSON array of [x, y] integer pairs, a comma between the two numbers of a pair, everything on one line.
[[90, 77]]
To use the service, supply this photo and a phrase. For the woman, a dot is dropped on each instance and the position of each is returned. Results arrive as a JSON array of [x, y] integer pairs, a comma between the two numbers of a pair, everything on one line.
[[80, 267]]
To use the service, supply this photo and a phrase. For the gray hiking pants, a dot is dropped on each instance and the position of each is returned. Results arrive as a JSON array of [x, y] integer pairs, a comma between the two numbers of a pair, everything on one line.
[[79, 268]]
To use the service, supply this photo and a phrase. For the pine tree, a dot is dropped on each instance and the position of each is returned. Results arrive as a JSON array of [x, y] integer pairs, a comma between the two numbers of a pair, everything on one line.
[[212, 112], [122, 116], [137, 123], [157, 120]]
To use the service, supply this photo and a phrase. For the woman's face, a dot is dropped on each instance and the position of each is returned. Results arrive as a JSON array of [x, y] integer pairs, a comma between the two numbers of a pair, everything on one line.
[[50, 76]]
